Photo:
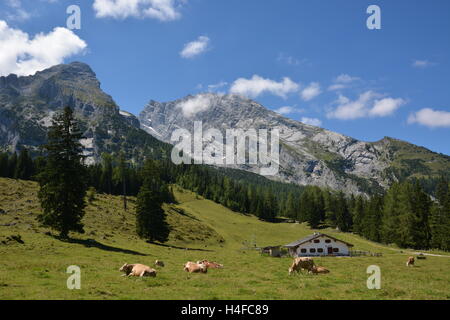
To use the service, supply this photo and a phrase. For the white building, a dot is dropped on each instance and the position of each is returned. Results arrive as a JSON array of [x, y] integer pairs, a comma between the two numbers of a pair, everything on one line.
[[319, 244]]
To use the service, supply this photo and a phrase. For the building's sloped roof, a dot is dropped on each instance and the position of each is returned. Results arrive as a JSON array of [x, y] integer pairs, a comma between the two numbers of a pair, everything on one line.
[[312, 237]]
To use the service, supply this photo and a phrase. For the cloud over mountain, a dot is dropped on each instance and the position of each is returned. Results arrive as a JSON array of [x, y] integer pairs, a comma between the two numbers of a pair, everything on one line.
[[24, 55]]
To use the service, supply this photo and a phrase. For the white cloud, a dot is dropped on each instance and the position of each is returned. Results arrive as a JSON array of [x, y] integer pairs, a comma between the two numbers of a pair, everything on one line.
[[368, 104], [288, 110], [194, 48], [312, 121], [345, 78], [385, 107], [290, 60], [193, 105], [342, 81], [24, 56], [163, 10], [217, 86], [422, 64], [18, 13], [431, 118], [257, 85], [311, 91]]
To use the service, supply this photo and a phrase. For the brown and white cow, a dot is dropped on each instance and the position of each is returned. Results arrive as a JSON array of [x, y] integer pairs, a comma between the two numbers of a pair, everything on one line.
[[193, 267], [210, 265], [319, 270], [301, 263], [137, 270], [410, 261]]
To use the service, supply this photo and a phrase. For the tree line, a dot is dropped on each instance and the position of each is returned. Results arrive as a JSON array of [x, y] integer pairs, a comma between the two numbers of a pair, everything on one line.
[[404, 215]]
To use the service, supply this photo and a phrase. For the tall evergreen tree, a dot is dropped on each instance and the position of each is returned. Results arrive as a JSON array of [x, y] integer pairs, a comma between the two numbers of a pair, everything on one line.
[[343, 215], [4, 165], [63, 180], [359, 216], [24, 167], [107, 173], [150, 217]]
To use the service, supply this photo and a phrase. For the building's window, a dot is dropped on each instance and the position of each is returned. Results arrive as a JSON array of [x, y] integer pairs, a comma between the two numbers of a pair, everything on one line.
[[320, 250], [316, 241], [328, 241], [312, 250], [304, 250], [335, 249]]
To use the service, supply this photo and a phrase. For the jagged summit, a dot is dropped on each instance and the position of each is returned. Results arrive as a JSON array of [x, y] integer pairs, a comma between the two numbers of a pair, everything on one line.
[[28, 103], [309, 155]]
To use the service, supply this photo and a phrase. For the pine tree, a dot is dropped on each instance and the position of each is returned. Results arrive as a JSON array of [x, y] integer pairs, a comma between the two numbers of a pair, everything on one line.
[[107, 173], [150, 216], [343, 215], [123, 177], [290, 207], [12, 164], [359, 216], [24, 167], [63, 180], [372, 218], [440, 219], [3, 165]]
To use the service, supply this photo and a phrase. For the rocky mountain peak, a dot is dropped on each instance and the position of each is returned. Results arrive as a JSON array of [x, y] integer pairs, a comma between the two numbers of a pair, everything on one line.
[[308, 155]]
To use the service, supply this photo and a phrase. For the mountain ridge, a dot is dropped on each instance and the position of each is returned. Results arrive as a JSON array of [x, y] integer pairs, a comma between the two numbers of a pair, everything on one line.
[[309, 155]]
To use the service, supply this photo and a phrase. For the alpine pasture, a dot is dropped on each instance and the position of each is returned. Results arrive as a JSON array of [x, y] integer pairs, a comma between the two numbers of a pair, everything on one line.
[[33, 261]]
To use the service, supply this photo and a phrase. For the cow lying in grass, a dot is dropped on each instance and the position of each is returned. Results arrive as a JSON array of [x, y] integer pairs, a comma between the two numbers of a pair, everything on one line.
[[193, 267], [301, 263], [210, 265], [319, 270], [137, 270]]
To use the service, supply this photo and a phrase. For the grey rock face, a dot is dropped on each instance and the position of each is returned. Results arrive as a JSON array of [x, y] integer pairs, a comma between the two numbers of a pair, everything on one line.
[[308, 155], [27, 105]]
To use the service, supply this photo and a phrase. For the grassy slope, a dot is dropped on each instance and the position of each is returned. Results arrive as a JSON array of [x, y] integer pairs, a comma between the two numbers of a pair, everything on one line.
[[36, 269]]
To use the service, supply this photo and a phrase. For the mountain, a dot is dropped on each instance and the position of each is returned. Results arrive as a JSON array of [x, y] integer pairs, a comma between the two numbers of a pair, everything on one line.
[[309, 155], [27, 105]]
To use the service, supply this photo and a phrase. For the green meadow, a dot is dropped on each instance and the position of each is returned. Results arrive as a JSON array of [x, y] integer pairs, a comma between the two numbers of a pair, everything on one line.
[[33, 261]]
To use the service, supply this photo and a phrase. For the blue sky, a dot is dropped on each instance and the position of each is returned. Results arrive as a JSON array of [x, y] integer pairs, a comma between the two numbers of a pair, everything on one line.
[[314, 61]]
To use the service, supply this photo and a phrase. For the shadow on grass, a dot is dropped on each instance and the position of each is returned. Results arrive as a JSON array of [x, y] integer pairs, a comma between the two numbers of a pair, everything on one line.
[[91, 243], [179, 248]]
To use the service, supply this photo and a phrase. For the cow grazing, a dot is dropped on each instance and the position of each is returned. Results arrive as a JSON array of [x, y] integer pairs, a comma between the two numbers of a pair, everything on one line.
[[319, 270], [410, 262], [210, 265], [301, 263], [137, 270], [193, 267], [159, 263]]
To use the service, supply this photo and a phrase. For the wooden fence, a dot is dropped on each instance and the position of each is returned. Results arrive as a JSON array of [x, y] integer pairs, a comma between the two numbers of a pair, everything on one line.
[[357, 253]]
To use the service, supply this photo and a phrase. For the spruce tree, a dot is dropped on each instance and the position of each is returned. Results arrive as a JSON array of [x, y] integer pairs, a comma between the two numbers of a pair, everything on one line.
[[150, 217], [3, 165], [24, 167], [63, 180], [359, 216], [343, 215]]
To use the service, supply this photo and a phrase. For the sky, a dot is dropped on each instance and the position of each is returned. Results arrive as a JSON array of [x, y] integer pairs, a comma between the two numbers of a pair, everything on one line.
[[313, 61]]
